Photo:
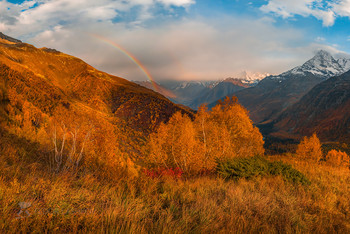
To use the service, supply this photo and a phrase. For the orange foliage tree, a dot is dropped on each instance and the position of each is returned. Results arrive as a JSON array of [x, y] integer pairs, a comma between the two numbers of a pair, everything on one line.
[[337, 158], [310, 148], [232, 131], [193, 146], [175, 145], [91, 141]]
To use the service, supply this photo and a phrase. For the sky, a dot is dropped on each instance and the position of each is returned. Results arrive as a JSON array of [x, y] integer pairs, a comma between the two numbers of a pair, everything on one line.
[[182, 39]]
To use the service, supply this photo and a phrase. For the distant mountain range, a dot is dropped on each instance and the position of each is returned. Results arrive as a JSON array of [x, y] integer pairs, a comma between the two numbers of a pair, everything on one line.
[[220, 90], [195, 93], [274, 94], [181, 92], [313, 97], [325, 109], [265, 96]]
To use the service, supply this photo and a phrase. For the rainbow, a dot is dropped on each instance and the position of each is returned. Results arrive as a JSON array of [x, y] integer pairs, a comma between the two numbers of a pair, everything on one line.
[[130, 56]]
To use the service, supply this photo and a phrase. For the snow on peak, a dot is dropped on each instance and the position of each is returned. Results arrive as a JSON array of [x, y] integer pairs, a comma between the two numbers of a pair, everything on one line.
[[322, 64], [345, 63], [252, 77], [322, 54]]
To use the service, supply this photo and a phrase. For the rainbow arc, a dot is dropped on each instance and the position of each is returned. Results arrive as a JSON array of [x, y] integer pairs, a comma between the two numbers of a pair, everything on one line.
[[130, 56]]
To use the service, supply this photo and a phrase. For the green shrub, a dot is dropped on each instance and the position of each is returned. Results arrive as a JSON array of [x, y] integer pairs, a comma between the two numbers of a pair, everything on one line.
[[288, 173], [248, 168], [237, 168]]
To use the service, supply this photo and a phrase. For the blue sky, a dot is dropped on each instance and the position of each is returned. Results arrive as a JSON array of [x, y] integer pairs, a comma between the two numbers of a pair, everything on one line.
[[338, 33], [184, 39]]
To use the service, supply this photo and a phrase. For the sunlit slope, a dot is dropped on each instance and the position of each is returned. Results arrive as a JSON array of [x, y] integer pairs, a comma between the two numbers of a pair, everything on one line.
[[47, 77]]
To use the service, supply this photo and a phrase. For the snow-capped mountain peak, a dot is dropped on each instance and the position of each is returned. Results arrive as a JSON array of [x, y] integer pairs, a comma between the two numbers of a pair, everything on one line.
[[322, 55], [345, 63], [251, 77], [323, 64]]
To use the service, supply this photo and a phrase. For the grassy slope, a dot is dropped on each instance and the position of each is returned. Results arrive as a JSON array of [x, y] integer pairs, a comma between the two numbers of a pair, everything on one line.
[[49, 75], [206, 204], [42, 88]]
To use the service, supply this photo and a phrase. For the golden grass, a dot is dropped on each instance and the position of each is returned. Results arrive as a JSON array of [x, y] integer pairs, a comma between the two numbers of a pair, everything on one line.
[[61, 203]]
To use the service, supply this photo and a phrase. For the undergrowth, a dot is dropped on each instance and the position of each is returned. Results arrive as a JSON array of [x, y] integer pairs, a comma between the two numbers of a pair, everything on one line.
[[206, 204], [237, 168]]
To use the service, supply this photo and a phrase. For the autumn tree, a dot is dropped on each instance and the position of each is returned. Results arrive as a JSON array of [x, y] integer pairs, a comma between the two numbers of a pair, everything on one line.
[[175, 145], [337, 158], [195, 145], [89, 141], [310, 148], [233, 132]]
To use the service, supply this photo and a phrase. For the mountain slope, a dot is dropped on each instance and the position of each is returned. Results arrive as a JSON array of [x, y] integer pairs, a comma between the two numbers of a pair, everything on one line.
[[9, 39], [195, 93], [322, 64], [324, 110], [274, 94], [224, 88], [81, 83], [186, 91], [47, 96], [157, 88]]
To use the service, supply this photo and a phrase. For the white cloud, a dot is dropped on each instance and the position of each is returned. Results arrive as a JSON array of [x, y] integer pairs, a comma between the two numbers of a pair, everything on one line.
[[287, 8], [173, 49], [320, 39], [326, 11], [342, 8], [188, 49], [25, 19], [177, 2], [327, 17]]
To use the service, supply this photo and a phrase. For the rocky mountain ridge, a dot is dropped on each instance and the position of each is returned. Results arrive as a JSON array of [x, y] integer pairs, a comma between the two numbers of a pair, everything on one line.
[[272, 95]]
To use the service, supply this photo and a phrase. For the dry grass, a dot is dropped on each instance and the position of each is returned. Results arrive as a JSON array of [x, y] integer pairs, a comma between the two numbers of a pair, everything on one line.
[[60, 203]]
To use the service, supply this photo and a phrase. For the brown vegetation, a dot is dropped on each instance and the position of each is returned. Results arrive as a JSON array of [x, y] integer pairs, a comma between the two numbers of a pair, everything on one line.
[[61, 203]]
